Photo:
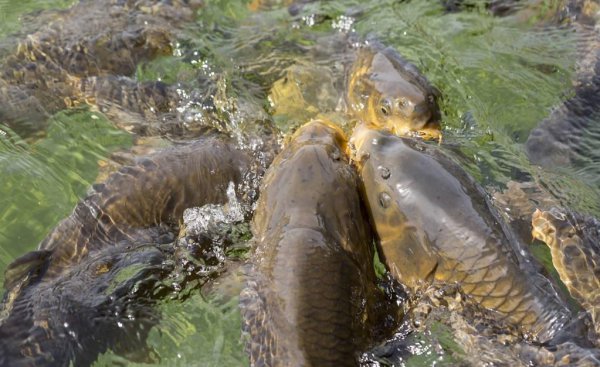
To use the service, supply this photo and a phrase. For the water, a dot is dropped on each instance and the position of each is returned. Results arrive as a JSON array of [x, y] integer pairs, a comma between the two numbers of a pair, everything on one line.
[[499, 77], [49, 176], [13, 12]]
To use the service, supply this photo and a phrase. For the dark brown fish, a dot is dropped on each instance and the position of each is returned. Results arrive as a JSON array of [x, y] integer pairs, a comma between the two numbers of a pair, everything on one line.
[[568, 136], [156, 190], [90, 44], [435, 223], [68, 280], [309, 295]]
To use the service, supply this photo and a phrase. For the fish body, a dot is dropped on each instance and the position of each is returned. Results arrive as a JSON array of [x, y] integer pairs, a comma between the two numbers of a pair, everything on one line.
[[574, 242], [309, 293], [74, 282], [435, 224]]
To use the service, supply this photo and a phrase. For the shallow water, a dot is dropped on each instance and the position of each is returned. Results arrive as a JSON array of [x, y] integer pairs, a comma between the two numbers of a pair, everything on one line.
[[499, 77]]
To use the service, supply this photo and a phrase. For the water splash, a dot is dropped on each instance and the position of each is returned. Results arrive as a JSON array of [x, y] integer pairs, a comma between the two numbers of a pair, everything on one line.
[[211, 236], [212, 217]]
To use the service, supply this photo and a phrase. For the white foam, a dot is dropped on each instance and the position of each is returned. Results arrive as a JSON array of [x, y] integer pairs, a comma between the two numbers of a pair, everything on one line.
[[211, 217]]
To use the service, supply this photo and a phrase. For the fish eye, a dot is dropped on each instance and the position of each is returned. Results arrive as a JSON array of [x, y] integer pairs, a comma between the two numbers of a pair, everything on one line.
[[386, 107]]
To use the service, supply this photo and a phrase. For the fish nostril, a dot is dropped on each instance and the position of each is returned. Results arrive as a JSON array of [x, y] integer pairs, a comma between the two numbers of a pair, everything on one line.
[[402, 104]]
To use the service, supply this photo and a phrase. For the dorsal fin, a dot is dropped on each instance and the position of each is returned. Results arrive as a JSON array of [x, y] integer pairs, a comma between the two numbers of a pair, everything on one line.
[[24, 265]]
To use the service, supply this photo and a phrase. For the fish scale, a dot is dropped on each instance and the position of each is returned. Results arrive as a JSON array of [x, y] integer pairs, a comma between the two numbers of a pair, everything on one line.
[[124, 202], [310, 292], [128, 210], [574, 244], [454, 236]]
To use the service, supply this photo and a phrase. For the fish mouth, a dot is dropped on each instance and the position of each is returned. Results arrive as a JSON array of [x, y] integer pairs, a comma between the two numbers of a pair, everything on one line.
[[402, 126], [414, 127]]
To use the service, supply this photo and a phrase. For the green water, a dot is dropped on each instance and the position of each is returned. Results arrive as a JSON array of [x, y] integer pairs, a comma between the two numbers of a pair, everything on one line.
[[49, 176], [13, 12], [498, 76], [199, 332]]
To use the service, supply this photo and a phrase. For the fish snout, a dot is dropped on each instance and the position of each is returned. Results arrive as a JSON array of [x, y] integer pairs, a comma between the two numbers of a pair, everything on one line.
[[321, 132]]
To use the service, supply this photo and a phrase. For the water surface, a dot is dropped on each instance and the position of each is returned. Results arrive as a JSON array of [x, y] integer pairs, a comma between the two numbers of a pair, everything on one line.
[[499, 77]]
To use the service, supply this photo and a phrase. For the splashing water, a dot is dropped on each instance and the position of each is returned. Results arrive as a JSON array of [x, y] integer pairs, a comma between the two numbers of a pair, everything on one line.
[[211, 217]]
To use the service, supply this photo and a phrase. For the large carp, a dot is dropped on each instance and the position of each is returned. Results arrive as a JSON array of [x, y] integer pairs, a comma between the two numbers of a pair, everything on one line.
[[311, 287], [59, 300], [435, 223]]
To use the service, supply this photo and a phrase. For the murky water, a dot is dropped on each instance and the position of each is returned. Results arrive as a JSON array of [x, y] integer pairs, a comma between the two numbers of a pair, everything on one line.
[[499, 77]]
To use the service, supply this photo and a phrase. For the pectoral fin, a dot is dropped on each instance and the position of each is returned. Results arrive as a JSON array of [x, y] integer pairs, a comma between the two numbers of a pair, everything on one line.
[[408, 256]]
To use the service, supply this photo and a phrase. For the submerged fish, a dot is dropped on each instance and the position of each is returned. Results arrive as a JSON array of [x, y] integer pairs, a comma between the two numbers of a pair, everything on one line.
[[73, 283], [88, 54], [310, 293], [574, 242], [568, 136], [435, 223]]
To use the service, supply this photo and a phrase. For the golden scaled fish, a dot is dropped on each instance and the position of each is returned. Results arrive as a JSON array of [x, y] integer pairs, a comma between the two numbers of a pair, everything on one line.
[[435, 224]]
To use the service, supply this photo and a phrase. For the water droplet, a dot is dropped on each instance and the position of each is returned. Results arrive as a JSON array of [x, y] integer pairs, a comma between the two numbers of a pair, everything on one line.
[[375, 141], [384, 172], [385, 199]]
